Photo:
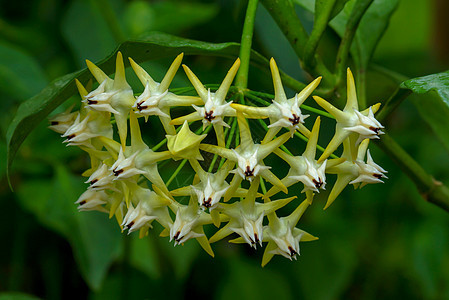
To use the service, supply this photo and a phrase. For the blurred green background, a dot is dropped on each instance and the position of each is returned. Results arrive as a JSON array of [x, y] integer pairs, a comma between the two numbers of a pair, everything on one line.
[[383, 241]]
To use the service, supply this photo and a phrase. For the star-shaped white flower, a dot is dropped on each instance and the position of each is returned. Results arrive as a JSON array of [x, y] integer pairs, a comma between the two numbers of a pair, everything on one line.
[[149, 206], [358, 172], [62, 121], [246, 217], [282, 235], [212, 111], [209, 196], [367, 126], [215, 105], [125, 167], [350, 121], [147, 104], [283, 112], [189, 223], [100, 100], [92, 200], [79, 134], [112, 95], [156, 98], [136, 159], [248, 164], [101, 179], [305, 168]]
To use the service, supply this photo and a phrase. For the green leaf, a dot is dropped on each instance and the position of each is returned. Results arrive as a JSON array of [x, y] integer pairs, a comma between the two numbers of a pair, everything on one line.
[[20, 75], [434, 107], [325, 10], [144, 255], [181, 257], [170, 17], [153, 46], [334, 6], [82, 17], [429, 250], [95, 240], [370, 30]]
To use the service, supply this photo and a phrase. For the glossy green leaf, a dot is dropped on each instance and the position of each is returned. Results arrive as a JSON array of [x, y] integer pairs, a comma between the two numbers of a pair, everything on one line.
[[95, 240], [433, 102], [153, 46]]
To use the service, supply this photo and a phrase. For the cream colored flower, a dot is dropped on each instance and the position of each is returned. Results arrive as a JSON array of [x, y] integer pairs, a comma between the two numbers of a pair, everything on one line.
[[350, 121], [282, 235], [358, 172], [215, 105]]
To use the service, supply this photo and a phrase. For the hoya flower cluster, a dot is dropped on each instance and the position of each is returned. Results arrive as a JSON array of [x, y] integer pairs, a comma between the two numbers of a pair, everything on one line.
[[236, 191]]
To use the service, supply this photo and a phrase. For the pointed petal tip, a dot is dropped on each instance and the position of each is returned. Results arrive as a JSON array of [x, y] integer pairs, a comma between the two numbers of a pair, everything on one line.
[[328, 203]]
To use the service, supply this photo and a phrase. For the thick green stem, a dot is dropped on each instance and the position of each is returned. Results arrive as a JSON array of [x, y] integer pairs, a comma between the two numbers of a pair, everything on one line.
[[319, 26], [241, 80], [283, 12], [357, 13], [430, 189]]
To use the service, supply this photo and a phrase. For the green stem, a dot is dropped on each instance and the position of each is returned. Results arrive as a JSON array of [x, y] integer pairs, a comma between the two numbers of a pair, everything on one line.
[[283, 12], [214, 159], [229, 141], [264, 126], [430, 189], [291, 82], [241, 80], [357, 13], [262, 185], [319, 26], [111, 19], [178, 169]]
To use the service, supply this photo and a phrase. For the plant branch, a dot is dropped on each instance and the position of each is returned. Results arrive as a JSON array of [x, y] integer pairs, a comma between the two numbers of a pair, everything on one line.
[[319, 26], [430, 189], [357, 13], [241, 80], [283, 12]]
